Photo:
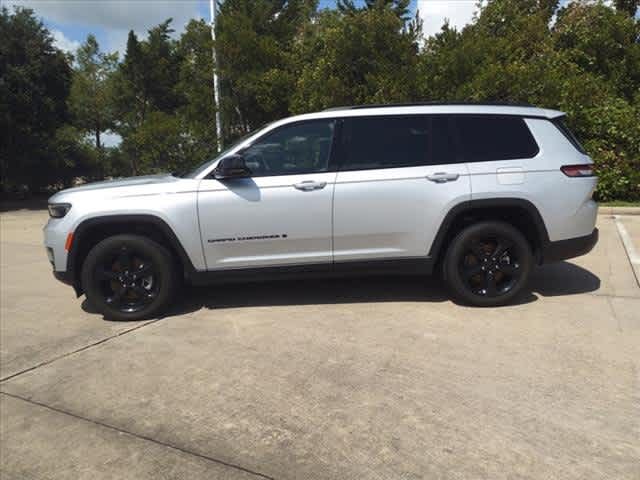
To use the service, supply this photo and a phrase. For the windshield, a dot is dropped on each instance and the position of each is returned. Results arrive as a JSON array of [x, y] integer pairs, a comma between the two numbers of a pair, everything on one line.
[[205, 165]]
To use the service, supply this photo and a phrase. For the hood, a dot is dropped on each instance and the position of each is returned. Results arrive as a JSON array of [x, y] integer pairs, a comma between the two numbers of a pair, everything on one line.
[[132, 186], [124, 182]]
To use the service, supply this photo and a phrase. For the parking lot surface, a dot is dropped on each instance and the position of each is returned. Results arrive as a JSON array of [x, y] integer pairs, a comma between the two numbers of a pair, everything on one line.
[[380, 378]]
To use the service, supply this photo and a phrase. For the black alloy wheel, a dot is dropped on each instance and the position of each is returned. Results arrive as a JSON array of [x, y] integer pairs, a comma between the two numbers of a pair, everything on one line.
[[128, 280], [488, 264], [128, 277]]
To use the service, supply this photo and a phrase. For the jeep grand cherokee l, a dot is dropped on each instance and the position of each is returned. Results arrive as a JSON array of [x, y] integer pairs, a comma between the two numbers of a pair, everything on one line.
[[477, 193]]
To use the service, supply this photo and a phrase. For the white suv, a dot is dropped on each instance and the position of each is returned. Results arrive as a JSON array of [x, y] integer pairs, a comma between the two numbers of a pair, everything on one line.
[[480, 193]]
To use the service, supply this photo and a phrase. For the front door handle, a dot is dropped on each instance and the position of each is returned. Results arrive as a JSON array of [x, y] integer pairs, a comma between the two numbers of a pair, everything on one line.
[[443, 177], [309, 185]]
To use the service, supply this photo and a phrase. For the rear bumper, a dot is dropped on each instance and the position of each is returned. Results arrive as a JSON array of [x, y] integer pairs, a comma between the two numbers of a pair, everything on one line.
[[570, 248]]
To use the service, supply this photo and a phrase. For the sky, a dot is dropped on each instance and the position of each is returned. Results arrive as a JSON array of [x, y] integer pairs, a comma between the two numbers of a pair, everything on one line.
[[70, 21]]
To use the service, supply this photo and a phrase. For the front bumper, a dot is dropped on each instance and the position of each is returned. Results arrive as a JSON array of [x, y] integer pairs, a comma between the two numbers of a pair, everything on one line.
[[64, 277], [68, 279], [570, 248]]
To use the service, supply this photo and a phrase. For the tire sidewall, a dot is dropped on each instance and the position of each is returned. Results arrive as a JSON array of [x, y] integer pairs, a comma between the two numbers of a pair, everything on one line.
[[458, 247], [159, 255]]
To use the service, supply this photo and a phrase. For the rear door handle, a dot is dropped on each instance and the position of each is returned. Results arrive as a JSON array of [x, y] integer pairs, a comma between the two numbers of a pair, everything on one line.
[[443, 177], [309, 185]]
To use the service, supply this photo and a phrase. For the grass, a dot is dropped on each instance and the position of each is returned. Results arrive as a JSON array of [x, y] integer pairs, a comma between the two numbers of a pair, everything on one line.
[[619, 203]]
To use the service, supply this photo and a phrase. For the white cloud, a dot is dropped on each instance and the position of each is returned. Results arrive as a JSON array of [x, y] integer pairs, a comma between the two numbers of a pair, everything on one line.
[[114, 14], [63, 43], [434, 13], [115, 17]]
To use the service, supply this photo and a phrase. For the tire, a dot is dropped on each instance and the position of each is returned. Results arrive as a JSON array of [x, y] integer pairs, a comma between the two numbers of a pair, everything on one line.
[[129, 277], [487, 264]]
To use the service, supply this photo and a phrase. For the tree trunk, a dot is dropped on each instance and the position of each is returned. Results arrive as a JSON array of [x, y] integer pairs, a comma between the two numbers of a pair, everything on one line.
[[134, 165]]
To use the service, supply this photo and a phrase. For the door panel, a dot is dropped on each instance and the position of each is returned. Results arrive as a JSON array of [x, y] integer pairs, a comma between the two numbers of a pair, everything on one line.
[[385, 212], [266, 221], [282, 214], [392, 213]]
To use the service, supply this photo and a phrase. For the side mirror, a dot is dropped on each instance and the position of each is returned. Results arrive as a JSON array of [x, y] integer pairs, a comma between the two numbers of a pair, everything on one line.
[[232, 166]]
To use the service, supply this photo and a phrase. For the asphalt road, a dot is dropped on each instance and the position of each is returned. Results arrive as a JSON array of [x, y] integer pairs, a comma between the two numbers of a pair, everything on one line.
[[379, 378]]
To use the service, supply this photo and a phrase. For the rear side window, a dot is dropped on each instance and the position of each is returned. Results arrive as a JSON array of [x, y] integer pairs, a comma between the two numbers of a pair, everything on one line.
[[443, 148], [562, 126], [485, 138], [385, 142]]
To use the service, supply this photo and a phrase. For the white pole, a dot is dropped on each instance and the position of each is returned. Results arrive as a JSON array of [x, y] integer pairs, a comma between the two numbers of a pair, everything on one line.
[[216, 84]]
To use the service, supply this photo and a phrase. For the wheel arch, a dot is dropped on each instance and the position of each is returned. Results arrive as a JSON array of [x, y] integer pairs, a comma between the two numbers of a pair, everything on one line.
[[93, 230], [519, 212]]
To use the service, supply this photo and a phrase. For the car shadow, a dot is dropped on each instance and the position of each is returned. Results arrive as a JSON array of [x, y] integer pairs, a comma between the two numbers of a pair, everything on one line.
[[557, 279], [562, 278], [547, 281]]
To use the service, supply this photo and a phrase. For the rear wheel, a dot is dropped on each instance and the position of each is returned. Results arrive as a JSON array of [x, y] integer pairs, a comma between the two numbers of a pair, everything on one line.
[[488, 264], [129, 277]]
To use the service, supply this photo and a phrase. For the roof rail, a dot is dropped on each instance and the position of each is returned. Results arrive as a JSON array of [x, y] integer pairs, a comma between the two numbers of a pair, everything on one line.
[[430, 104]]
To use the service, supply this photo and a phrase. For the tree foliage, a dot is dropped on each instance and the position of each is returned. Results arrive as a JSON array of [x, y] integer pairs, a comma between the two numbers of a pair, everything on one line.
[[90, 99], [35, 79], [254, 41], [376, 65], [279, 57]]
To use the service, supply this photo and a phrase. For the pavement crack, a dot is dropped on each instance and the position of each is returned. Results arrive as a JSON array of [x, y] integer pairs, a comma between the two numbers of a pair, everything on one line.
[[78, 350], [140, 437], [614, 314]]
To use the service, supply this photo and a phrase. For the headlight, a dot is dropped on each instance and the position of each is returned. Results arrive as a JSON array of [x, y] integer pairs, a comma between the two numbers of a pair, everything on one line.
[[58, 210]]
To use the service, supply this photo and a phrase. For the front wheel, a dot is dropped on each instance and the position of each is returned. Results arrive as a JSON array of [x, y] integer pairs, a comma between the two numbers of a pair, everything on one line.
[[128, 277], [488, 264]]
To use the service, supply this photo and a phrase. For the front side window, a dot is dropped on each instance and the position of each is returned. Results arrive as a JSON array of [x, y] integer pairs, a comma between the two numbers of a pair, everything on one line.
[[385, 142], [292, 150], [485, 138]]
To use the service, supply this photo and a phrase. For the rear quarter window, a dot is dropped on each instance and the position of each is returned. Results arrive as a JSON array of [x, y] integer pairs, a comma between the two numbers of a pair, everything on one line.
[[485, 138], [562, 126]]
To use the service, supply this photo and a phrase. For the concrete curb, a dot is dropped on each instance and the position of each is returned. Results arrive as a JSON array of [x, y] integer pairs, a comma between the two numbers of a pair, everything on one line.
[[627, 242], [618, 210]]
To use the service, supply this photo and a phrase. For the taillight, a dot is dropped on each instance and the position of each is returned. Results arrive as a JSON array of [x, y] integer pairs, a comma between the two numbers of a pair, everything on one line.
[[585, 170]]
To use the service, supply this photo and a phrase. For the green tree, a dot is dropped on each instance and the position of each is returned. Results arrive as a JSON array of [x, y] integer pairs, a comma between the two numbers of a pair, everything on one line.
[[399, 7], [145, 82], [197, 112], [157, 144], [254, 41], [359, 57], [630, 7], [602, 41], [35, 79], [91, 99]]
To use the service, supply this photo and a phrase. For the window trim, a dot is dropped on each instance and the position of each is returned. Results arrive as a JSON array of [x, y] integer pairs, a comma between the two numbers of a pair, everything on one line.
[[461, 150]]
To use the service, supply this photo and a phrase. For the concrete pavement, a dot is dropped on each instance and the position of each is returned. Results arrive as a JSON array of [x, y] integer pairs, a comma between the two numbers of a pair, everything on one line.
[[380, 378]]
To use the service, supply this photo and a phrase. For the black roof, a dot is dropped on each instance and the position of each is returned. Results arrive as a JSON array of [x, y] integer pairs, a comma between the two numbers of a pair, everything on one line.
[[430, 104]]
